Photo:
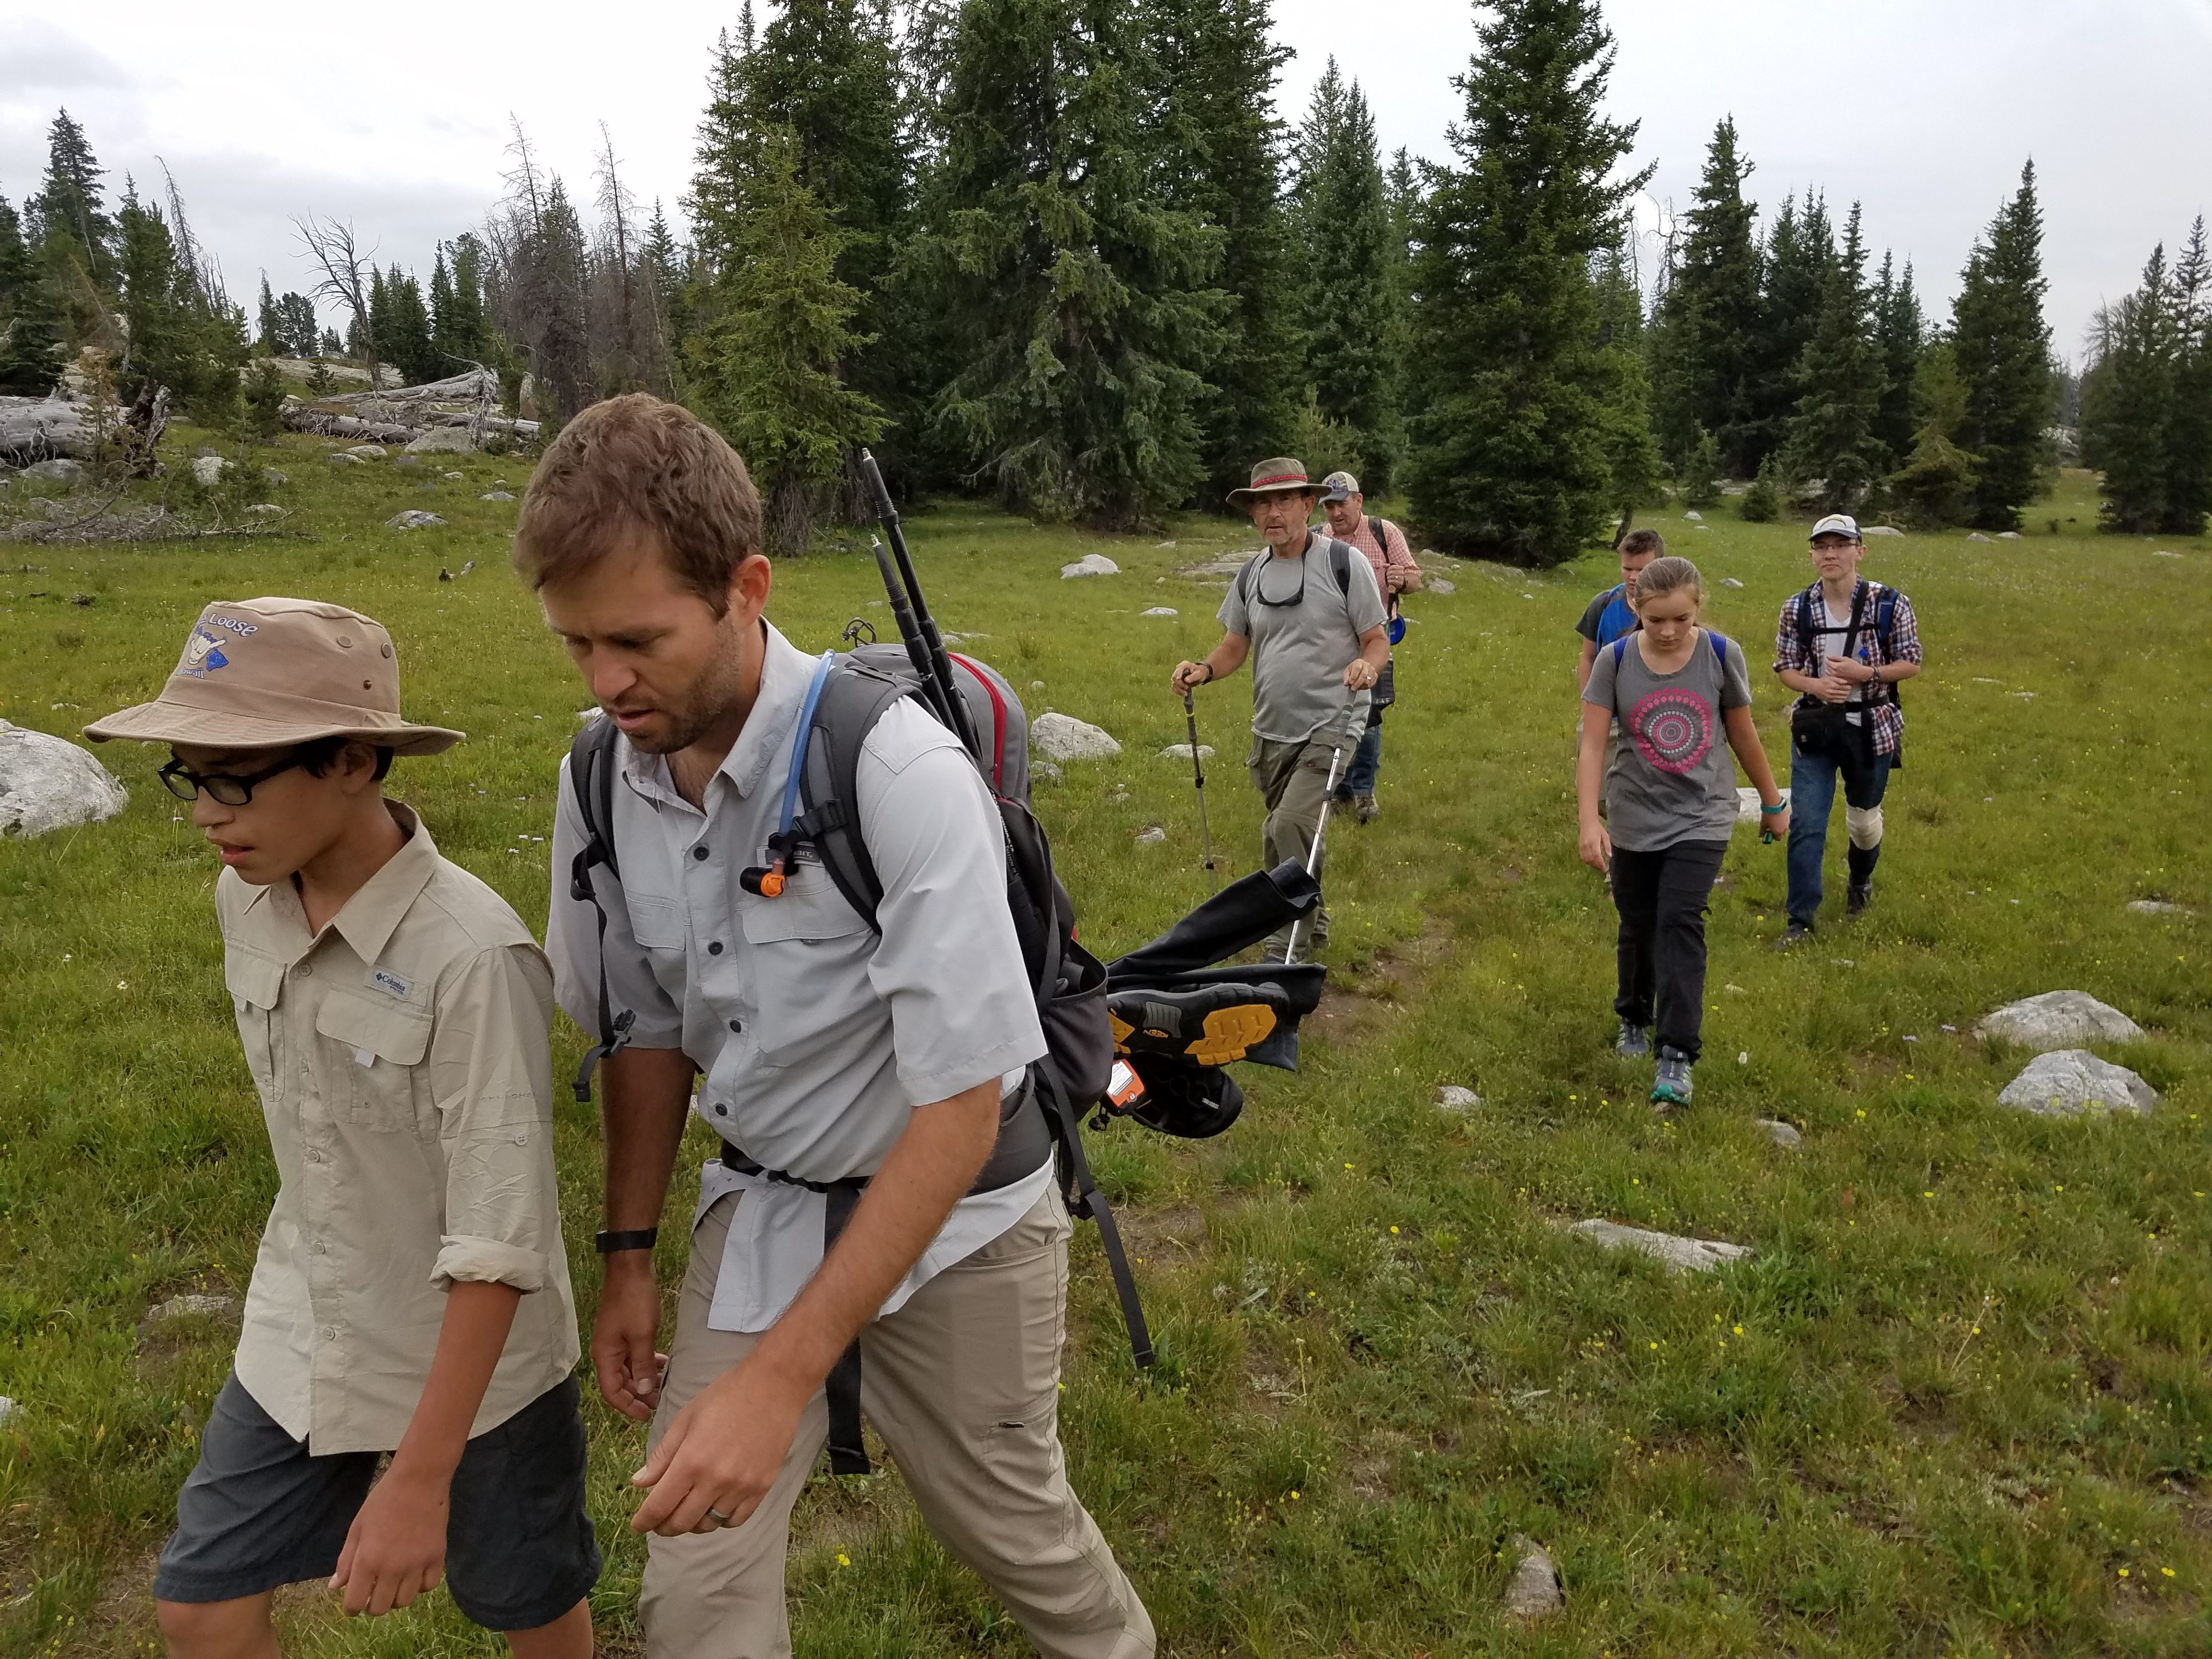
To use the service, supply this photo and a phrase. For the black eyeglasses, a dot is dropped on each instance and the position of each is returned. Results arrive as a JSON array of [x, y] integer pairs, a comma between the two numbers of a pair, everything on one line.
[[227, 787]]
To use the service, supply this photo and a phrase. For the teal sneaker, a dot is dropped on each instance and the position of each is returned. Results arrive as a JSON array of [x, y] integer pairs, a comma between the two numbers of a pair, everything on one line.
[[1671, 1086]]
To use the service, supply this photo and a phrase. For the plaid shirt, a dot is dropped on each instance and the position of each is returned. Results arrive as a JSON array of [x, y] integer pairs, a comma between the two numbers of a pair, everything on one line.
[[1903, 644], [1396, 556]]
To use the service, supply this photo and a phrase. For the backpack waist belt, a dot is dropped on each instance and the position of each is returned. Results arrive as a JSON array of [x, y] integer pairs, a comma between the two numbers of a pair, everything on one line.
[[1024, 1144]]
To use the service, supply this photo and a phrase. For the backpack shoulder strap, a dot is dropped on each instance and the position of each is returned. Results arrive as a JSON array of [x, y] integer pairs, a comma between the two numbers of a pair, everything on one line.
[[1719, 648], [1805, 622], [592, 769], [853, 698], [1620, 649], [1340, 565], [1243, 591]]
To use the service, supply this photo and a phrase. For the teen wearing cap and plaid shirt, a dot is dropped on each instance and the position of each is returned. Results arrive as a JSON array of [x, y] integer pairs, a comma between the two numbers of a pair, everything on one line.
[[1819, 655], [411, 1292]]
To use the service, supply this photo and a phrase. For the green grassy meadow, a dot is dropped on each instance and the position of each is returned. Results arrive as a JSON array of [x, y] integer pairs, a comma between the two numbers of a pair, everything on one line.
[[1958, 1403]]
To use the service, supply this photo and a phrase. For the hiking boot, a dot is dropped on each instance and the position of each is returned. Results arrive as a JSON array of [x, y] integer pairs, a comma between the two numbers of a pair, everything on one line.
[[1793, 936], [1858, 897], [1365, 808], [1671, 1086], [1634, 1043]]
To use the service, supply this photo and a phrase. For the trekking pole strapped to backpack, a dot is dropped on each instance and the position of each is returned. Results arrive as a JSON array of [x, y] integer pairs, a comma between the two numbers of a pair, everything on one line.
[[937, 666]]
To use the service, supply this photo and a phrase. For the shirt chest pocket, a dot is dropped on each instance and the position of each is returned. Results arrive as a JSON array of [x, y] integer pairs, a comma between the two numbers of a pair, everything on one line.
[[369, 1053], [810, 952], [255, 983]]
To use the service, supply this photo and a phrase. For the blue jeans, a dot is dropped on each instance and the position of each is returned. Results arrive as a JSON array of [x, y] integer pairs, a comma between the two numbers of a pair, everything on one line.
[[1813, 781], [1366, 760]]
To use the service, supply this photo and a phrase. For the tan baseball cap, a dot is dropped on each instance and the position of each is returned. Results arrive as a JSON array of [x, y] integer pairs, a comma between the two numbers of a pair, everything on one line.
[[267, 673]]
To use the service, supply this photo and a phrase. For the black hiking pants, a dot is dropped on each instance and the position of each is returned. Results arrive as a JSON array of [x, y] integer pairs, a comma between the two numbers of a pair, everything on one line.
[[1661, 899]]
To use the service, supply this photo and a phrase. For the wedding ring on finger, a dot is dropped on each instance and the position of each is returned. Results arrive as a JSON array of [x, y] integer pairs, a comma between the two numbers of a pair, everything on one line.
[[717, 1517]]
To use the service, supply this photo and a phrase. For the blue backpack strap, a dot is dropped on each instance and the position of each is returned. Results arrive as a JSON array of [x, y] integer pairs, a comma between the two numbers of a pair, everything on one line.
[[1719, 648], [1620, 649]]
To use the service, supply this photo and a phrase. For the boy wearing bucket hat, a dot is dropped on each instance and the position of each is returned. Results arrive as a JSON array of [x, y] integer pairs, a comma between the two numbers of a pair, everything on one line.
[[411, 1292], [1308, 611]]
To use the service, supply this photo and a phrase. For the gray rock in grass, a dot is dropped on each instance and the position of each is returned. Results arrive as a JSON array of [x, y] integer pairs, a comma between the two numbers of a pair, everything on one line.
[[1534, 1591], [1443, 585], [1879, 530], [443, 440], [2072, 1081], [1181, 752], [1730, 582], [1150, 835], [496, 496], [1063, 737], [2060, 1019], [2158, 908], [1977, 536], [343, 458], [366, 452], [8, 1409], [274, 478], [1782, 1134], [1684, 1255], [1045, 769], [59, 470], [1090, 564], [1160, 610], [48, 783], [1452, 1097], [1694, 515], [208, 468], [178, 1307], [413, 519]]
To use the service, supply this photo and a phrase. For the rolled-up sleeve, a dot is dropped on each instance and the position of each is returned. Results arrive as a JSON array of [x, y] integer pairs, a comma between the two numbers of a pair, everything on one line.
[[490, 1071], [575, 943], [949, 963]]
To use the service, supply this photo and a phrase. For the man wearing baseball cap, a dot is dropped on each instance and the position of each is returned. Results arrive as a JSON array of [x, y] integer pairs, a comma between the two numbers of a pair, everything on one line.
[[1308, 613], [411, 1292], [1344, 506], [1844, 645]]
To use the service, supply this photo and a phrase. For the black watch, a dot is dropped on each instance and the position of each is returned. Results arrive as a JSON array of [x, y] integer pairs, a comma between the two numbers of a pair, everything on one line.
[[636, 1239]]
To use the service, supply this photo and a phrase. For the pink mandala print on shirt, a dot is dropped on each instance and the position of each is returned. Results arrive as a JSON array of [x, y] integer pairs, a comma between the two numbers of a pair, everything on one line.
[[1673, 730]]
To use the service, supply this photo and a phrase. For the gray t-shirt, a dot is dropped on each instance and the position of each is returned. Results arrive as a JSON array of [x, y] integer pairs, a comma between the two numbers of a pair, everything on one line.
[[1304, 631], [1673, 776]]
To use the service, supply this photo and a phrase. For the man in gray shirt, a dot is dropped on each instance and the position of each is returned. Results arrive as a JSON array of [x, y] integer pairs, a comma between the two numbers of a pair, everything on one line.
[[1308, 612], [829, 1046]]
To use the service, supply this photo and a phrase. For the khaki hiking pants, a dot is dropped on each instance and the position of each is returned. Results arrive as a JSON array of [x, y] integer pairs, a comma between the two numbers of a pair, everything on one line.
[[1292, 778], [963, 1384]]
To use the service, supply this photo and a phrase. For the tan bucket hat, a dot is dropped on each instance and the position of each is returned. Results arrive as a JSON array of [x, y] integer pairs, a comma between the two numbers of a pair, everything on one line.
[[268, 673], [1279, 475]]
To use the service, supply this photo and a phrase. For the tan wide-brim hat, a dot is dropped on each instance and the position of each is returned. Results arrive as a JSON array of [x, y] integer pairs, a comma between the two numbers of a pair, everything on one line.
[[1279, 475], [268, 673]]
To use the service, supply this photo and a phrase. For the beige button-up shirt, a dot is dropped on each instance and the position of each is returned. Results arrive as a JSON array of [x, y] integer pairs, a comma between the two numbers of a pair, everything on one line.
[[401, 1058]]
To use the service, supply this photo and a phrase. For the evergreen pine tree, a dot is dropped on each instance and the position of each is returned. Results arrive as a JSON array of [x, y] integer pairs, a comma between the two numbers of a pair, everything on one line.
[[665, 280], [781, 324], [1347, 258], [178, 335], [1900, 336], [2127, 412], [1511, 455], [268, 340], [16, 269], [1214, 154], [2188, 427], [1079, 306], [2003, 349], [469, 334], [1938, 477], [1404, 187], [1831, 436], [1794, 276], [1624, 383], [1706, 335], [70, 204], [295, 315], [442, 335]]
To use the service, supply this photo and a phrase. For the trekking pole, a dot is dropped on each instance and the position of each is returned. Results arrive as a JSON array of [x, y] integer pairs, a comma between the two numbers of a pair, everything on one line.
[[1198, 772], [917, 650], [938, 666], [1321, 830]]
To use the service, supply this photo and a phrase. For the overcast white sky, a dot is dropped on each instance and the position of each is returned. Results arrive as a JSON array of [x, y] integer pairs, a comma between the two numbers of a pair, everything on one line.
[[1924, 109]]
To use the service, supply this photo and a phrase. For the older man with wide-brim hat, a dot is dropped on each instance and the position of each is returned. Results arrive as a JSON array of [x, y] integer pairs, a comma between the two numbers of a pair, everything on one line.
[[1308, 611]]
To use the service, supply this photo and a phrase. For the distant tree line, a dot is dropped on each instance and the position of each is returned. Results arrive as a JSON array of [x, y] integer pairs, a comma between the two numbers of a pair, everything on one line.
[[1065, 253]]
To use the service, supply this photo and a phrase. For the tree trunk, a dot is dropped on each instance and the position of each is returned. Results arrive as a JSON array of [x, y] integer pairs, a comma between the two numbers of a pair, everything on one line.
[[790, 515]]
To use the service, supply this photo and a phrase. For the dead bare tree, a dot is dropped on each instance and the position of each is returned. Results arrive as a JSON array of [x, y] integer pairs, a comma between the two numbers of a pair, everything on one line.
[[335, 254]]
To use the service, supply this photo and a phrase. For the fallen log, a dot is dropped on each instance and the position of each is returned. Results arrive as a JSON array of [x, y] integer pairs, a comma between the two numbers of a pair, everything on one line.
[[44, 429]]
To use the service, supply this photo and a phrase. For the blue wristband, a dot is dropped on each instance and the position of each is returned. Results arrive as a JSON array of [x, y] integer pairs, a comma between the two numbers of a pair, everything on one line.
[[1778, 806]]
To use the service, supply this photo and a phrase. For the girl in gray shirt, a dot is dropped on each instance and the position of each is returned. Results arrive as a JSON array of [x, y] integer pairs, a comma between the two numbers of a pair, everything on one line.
[[1682, 695]]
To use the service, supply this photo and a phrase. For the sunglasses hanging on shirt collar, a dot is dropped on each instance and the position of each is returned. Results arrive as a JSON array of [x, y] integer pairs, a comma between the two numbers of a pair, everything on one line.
[[1260, 583]]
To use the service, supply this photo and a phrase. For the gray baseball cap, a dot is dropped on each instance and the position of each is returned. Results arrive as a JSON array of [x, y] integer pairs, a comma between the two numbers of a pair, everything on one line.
[[1838, 524], [1338, 486]]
